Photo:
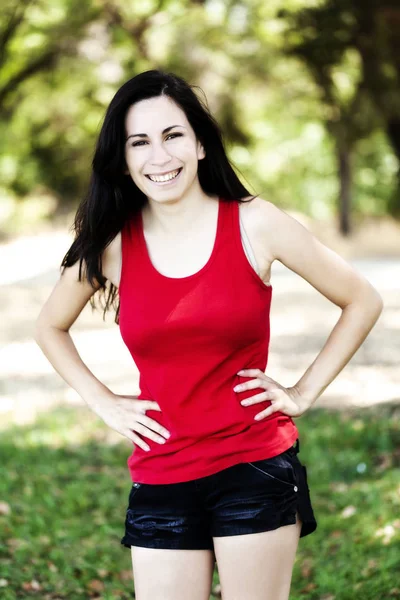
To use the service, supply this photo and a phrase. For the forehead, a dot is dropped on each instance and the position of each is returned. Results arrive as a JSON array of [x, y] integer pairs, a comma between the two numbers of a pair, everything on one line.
[[153, 114]]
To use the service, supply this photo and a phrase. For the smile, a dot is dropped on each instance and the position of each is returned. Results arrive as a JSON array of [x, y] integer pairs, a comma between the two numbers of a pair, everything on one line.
[[164, 179]]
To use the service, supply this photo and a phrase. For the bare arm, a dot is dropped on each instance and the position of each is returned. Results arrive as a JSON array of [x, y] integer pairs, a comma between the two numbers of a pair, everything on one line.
[[124, 413], [361, 304], [59, 313]]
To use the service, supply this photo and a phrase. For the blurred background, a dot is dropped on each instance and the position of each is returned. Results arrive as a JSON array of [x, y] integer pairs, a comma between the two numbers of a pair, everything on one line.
[[307, 94]]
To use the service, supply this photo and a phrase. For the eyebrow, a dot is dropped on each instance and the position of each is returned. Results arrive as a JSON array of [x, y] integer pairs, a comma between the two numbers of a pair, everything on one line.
[[145, 134]]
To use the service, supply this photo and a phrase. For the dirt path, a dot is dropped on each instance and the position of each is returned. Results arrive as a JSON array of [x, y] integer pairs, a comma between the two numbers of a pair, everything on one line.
[[301, 320]]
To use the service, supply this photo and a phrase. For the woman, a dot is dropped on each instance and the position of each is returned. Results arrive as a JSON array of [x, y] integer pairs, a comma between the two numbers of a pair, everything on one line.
[[168, 224]]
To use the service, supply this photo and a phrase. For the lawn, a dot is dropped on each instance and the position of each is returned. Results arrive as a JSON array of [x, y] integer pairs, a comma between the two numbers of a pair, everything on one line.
[[64, 488]]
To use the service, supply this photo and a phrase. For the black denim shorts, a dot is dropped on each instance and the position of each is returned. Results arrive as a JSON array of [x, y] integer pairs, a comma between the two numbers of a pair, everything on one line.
[[246, 498]]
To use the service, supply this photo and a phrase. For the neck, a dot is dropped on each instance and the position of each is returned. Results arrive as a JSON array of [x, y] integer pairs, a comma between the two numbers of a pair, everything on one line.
[[178, 214]]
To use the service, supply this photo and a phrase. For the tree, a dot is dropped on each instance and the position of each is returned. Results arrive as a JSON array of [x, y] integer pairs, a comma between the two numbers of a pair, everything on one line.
[[349, 48]]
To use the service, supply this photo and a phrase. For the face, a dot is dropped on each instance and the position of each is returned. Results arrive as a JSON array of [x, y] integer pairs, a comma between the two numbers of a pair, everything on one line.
[[166, 147]]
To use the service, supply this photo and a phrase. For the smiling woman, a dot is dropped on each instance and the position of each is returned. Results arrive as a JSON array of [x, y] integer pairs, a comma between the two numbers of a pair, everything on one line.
[[168, 159], [214, 468]]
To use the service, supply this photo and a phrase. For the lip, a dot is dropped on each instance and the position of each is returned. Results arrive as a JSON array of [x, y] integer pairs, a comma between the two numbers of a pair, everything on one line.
[[165, 172], [167, 183]]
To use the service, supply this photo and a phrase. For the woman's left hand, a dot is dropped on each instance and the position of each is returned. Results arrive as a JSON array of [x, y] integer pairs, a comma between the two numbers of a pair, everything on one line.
[[286, 400]]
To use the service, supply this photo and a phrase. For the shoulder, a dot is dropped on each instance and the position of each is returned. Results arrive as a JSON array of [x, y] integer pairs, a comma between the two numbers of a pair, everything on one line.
[[259, 211], [268, 212], [272, 225], [294, 245]]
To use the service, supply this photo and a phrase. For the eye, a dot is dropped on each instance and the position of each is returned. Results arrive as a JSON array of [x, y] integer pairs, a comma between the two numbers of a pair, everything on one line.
[[170, 135], [174, 135]]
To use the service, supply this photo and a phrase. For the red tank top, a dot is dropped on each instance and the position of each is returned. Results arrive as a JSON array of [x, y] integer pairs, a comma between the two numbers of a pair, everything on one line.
[[189, 337]]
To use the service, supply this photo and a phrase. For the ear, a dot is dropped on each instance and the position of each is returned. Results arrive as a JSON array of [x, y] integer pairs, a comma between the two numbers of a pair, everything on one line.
[[201, 153]]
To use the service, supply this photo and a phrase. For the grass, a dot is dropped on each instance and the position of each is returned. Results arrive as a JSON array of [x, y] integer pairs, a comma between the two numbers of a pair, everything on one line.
[[64, 490]]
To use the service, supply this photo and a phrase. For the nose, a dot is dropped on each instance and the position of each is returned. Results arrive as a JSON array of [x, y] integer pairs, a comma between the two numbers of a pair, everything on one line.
[[159, 155]]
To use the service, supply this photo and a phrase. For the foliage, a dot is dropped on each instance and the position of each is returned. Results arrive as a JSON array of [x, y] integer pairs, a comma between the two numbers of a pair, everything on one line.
[[351, 50], [63, 60]]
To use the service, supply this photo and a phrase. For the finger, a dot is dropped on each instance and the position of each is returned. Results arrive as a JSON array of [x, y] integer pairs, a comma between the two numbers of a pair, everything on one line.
[[250, 372], [256, 373], [251, 385], [263, 397], [267, 412], [133, 437], [151, 424], [143, 405], [149, 433], [138, 441]]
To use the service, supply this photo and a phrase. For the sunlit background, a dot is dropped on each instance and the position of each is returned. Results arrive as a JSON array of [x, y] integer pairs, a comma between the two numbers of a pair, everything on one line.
[[308, 98]]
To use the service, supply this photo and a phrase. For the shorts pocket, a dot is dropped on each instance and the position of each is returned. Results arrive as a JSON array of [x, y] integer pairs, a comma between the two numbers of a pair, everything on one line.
[[278, 467]]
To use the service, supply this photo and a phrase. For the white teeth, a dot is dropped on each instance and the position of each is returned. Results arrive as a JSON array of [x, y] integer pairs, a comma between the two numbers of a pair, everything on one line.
[[164, 177]]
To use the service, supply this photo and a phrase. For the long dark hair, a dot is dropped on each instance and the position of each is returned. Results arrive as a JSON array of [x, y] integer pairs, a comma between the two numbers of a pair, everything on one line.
[[112, 196]]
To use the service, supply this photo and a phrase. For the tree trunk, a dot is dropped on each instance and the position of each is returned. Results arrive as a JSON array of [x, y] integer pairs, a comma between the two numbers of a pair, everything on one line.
[[393, 132], [345, 189]]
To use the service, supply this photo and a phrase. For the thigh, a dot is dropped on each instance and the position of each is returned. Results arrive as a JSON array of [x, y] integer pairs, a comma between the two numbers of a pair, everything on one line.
[[172, 574], [257, 566], [256, 527]]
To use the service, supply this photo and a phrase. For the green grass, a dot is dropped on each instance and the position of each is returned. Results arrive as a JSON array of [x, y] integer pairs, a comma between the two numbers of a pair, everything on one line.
[[67, 488]]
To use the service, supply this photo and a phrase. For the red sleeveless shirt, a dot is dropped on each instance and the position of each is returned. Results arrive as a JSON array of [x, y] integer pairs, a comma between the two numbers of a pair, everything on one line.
[[189, 337]]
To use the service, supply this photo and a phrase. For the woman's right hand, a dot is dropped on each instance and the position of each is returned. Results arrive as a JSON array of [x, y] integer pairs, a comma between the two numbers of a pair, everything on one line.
[[125, 414]]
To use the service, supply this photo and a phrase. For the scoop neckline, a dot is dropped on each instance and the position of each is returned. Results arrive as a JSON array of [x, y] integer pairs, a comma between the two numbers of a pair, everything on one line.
[[193, 275]]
